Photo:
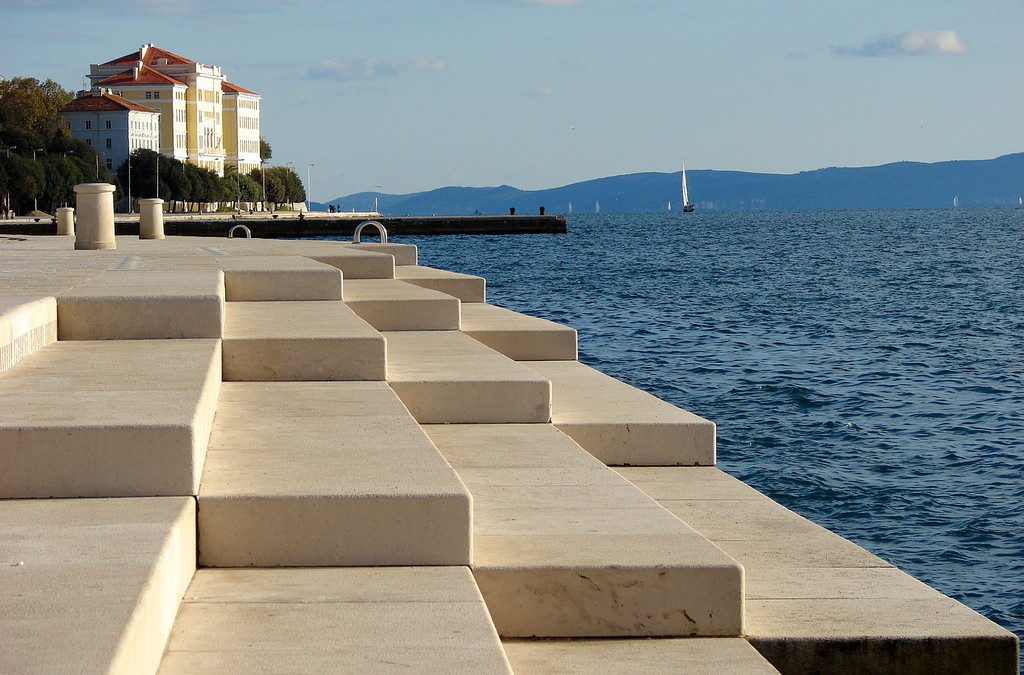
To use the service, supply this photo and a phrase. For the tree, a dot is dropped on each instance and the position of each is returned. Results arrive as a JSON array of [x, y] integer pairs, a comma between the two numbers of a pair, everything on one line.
[[266, 152], [32, 106]]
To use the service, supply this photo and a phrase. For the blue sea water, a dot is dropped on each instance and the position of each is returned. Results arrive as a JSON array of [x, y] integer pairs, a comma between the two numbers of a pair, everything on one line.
[[864, 368]]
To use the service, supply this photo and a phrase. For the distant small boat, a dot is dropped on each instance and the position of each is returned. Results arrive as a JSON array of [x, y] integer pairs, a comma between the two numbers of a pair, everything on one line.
[[956, 201], [597, 207], [688, 206]]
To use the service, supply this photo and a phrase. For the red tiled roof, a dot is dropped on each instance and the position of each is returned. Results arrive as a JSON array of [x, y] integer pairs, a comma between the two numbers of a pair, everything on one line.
[[146, 75], [235, 89], [149, 55], [103, 102]]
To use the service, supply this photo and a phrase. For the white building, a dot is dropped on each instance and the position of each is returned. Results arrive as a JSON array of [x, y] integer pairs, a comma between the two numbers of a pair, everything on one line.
[[112, 124]]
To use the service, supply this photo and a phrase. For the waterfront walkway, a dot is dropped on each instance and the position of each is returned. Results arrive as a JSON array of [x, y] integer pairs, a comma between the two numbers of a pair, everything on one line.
[[232, 455]]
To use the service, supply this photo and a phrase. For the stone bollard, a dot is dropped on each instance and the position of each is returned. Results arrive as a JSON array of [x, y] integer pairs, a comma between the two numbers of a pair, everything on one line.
[[151, 218], [95, 227], [66, 221]]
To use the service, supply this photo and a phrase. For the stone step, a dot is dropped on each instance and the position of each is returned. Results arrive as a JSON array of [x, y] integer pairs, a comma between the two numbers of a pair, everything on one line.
[[564, 547], [389, 304], [816, 601], [326, 474], [446, 377], [465, 287], [134, 304], [279, 277], [275, 341], [108, 418], [354, 263], [620, 424], [354, 620], [519, 336], [92, 585], [27, 324], [699, 656], [404, 254]]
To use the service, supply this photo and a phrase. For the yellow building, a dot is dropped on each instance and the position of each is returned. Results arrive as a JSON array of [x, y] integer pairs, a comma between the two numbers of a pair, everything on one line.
[[204, 119]]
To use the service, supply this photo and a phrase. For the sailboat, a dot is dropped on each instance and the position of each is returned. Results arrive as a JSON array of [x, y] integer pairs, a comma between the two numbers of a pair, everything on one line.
[[688, 206]]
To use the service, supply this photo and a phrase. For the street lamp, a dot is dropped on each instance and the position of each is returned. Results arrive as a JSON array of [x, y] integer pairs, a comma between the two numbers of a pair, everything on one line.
[[35, 200], [9, 148], [263, 177], [309, 187]]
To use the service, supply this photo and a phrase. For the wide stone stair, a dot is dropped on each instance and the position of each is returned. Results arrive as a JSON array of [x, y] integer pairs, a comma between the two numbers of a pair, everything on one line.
[[254, 456]]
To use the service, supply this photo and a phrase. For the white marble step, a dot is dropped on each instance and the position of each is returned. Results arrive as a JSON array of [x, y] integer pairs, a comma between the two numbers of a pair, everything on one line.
[[519, 336], [27, 324], [392, 305], [682, 656], [326, 474], [304, 341], [279, 277], [446, 377], [108, 418], [620, 424], [137, 304], [354, 620], [92, 585], [465, 287], [564, 547], [818, 601]]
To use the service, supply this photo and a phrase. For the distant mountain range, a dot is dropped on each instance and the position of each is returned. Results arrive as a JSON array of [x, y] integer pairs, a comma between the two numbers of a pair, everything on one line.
[[990, 182]]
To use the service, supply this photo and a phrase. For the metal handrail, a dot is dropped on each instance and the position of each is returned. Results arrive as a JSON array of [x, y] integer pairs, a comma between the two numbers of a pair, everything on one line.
[[231, 232], [380, 228]]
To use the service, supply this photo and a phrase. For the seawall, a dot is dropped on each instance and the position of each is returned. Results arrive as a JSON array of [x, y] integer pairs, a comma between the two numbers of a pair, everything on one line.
[[315, 224]]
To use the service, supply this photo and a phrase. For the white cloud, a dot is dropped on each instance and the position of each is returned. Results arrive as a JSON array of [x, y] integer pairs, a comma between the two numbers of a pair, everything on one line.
[[372, 68], [916, 43]]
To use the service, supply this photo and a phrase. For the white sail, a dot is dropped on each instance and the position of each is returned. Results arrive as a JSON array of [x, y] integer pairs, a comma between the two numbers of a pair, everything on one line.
[[597, 207], [686, 193]]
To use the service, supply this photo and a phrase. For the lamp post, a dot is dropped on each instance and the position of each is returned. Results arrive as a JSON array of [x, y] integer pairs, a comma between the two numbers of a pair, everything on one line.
[[9, 148], [309, 186], [263, 177], [130, 210], [35, 200]]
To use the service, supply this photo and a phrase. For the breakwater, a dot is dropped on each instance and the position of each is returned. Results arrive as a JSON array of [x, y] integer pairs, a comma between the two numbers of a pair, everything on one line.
[[317, 224]]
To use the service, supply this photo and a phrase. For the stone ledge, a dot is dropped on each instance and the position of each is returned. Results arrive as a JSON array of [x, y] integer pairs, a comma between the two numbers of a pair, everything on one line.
[[327, 474], [27, 324], [620, 424], [108, 418], [354, 620], [92, 585], [518, 336]]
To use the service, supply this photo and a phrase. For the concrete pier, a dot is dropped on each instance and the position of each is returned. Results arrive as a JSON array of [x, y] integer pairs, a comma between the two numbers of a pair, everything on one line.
[[254, 455]]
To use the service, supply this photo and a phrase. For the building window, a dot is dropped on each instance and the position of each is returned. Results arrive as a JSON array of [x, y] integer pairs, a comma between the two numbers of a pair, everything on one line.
[[108, 124], [88, 141], [110, 164], [156, 94], [88, 124], [109, 144], [149, 94]]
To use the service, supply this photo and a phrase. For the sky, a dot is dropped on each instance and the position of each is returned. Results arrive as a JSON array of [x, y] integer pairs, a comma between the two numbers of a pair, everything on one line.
[[401, 96]]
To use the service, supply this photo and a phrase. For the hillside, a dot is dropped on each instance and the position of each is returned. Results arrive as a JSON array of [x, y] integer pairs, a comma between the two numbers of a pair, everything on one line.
[[991, 182]]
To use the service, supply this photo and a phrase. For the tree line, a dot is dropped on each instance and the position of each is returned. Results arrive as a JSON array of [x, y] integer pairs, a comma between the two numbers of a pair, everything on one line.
[[40, 162]]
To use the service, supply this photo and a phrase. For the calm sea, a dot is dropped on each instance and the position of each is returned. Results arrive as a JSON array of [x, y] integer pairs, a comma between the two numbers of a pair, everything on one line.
[[865, 368]]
